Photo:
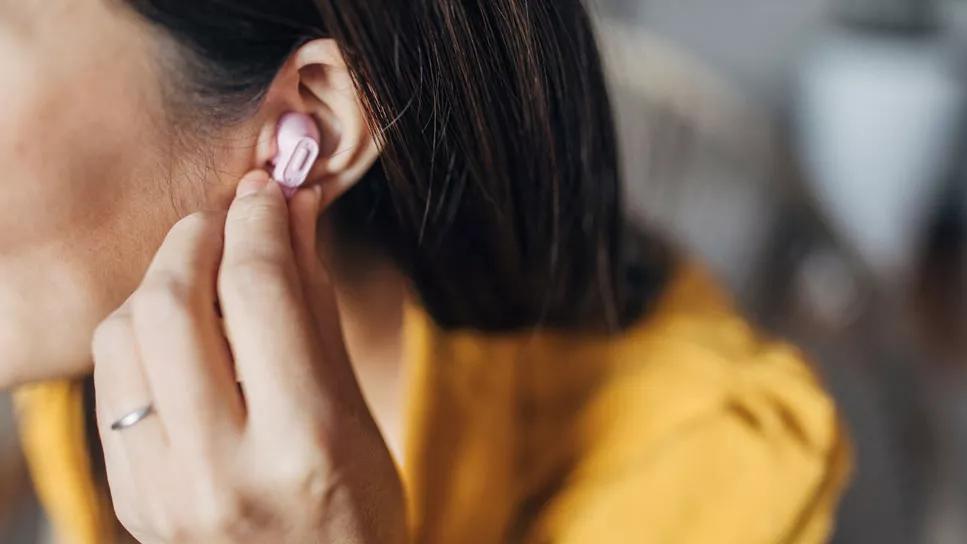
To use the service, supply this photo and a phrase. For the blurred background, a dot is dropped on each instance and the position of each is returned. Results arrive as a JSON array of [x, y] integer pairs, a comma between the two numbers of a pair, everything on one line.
[[812, 153]]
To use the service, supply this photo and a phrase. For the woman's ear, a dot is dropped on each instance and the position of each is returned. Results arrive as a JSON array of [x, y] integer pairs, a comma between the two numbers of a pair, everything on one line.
[[316, 81]]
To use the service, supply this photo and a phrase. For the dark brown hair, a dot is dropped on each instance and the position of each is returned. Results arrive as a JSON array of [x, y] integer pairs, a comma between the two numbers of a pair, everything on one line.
[[499, 191]]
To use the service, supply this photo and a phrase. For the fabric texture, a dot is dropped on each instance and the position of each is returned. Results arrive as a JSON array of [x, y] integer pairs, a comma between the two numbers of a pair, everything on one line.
[[688, 428]]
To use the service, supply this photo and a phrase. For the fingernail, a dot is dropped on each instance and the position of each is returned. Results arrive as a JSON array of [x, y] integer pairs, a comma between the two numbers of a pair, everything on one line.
[[252, 183], [272, 187]]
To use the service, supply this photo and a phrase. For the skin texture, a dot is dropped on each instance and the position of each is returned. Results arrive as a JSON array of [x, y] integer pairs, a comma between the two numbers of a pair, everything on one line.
[[96, 172], [99, 177], [208, 467], [90, 187]]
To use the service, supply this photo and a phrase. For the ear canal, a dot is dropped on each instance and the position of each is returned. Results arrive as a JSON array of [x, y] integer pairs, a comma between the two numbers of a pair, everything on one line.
[[298, 150]]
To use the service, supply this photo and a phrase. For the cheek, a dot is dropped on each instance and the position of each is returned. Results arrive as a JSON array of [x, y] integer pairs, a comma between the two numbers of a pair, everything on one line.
[[89, 185], [74, 161], [81, 191], [72, 144], [22, 144]]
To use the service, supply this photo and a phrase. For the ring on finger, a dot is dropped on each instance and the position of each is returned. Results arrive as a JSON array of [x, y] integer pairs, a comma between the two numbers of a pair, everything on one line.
[[133, 418]]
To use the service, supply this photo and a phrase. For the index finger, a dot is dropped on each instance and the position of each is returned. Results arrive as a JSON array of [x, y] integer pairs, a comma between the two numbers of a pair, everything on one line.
[[271, 330]]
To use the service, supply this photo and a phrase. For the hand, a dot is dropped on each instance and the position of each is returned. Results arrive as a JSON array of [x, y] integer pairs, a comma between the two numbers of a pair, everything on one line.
[[259, 431]]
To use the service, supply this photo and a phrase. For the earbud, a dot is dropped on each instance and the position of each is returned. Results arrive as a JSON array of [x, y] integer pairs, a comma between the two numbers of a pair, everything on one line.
[[298, 142]]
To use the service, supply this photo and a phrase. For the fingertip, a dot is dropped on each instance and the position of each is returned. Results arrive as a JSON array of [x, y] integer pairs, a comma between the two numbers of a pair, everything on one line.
[[274, 191], [252, 183], [258, 218]]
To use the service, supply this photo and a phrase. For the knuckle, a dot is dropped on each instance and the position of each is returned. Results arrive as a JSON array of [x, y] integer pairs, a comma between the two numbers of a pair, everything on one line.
[[129, 518], [115, 328], [218, 512], [303, 474], [162, 295]]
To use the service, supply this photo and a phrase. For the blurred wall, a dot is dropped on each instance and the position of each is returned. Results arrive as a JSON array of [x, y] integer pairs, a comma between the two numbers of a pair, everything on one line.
[[752, 43]]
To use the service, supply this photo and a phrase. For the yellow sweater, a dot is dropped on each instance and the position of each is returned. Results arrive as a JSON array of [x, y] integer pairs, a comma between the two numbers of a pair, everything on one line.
[[686, 429]]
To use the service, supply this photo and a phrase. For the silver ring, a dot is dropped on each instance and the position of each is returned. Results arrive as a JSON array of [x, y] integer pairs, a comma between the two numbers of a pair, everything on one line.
[[133, 418]]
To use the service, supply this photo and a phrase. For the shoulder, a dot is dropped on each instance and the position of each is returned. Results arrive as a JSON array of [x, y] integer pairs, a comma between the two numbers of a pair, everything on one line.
[[706, 431], [698, 358]]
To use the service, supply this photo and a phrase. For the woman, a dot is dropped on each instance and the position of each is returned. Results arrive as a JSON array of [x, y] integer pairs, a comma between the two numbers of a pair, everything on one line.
[[567, 381]]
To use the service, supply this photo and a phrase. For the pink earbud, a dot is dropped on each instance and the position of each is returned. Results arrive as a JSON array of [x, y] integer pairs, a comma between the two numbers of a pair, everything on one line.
[[298, 142]]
